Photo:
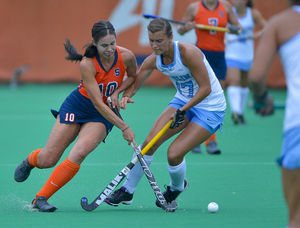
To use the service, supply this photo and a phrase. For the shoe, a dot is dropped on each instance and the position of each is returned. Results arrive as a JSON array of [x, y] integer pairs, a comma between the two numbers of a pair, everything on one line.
[[42, 205], [242, 120], [212, 148], [235, 117], [22, 171], [119, 196], [238, 119], [172, 195], [197, 149]]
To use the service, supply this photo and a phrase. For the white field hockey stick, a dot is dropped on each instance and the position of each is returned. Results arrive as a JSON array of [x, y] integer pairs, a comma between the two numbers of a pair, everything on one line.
[[118, 179], [199, 26]]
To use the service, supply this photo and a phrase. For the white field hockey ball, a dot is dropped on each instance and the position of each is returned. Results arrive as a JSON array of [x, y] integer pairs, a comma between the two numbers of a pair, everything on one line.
[[213, 207]]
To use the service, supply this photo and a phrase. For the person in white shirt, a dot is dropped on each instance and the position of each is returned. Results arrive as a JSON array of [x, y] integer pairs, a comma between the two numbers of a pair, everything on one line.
[[239, 54], [197, 110], [282, 34]]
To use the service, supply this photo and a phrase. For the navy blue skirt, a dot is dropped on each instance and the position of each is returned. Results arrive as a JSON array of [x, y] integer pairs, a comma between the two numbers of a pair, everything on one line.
[[217, 62], [78, 109]]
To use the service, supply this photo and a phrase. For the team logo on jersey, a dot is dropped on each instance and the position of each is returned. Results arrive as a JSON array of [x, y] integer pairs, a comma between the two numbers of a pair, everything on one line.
[[170, 68], [117, 72], [221, 13]]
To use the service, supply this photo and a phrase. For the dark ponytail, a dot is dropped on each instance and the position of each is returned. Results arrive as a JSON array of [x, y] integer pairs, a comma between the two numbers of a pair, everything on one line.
[[250, 3], [99, 30]]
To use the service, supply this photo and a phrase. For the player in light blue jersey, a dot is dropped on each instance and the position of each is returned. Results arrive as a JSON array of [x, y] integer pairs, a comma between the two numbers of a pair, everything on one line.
[[282, 34], [239, 54], [197, 109]]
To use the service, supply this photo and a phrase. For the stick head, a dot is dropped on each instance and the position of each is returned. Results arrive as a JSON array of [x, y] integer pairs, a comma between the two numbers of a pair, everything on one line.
[[171, 207]]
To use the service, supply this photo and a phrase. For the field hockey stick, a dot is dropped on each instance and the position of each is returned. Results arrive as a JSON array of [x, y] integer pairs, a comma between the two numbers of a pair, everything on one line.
[[168, 207], [118, 179], [239, 39], [157, 192], [199, 26]]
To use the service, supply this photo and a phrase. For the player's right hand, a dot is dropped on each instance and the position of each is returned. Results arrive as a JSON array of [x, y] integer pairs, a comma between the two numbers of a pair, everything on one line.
[[129, 136], [234, 29], [264, 105], [178, 118]]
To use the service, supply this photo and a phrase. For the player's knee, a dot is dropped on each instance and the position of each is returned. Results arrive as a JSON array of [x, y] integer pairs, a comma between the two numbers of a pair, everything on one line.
[[173, 157], [47, 160], [47, 163]]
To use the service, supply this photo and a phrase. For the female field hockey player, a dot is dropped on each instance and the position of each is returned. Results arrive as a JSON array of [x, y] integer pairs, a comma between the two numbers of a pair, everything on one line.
[[239, 53], [197, 109], [84, 113], [282, 34], [213, 13]]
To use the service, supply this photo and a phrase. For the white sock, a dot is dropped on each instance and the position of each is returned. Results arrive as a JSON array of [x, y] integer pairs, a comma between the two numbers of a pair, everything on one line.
[[244, 97], [177, 174], [234, 98], [135, 175]]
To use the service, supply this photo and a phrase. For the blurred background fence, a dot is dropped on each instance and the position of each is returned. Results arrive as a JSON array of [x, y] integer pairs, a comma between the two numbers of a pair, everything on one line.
[[33, 32]]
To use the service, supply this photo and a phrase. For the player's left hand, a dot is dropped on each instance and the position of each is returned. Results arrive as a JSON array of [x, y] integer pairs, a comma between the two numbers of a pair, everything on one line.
[[264, 105], [178, 118], [123, 102]]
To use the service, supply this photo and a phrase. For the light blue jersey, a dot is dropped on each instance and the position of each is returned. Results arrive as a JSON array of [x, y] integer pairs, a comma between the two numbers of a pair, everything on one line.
[[187, 86], [242, 49]]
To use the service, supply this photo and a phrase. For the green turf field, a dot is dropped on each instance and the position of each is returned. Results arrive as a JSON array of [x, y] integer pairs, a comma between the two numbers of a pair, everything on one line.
[[244, 180]]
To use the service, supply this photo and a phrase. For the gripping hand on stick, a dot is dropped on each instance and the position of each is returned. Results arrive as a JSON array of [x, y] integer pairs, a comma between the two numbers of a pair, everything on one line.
[[264, 105], [178, 118], [234, 29]]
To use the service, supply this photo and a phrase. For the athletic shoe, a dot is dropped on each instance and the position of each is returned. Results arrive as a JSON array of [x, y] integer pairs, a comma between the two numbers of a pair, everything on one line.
[[172, 195], [212, 148], [197, 149], [242, 120], [235, 117], [238, 119], [22, 171], [42, 205], [119, 196]]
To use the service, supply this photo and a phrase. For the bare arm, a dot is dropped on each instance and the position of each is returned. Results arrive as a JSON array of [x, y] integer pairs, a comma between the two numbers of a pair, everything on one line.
[[232, 19], [264, 56], [265, 52], [260, 21], [131, 68], [188, 17]]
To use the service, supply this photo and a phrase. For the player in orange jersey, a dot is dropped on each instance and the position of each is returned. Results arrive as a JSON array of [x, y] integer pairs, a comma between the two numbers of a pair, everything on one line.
[[84, 114], [213, 13]]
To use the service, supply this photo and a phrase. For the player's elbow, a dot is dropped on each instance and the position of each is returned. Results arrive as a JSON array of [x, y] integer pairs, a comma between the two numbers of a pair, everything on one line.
[[207, 90]]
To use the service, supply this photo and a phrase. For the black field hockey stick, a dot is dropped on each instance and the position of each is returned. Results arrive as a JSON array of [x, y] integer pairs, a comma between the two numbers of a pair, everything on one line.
[[118, 179], [168, 207], [157, 192]]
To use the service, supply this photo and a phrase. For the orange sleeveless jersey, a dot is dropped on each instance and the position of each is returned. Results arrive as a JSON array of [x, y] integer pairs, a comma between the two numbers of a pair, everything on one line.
[[211, 40], [108, 81]]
